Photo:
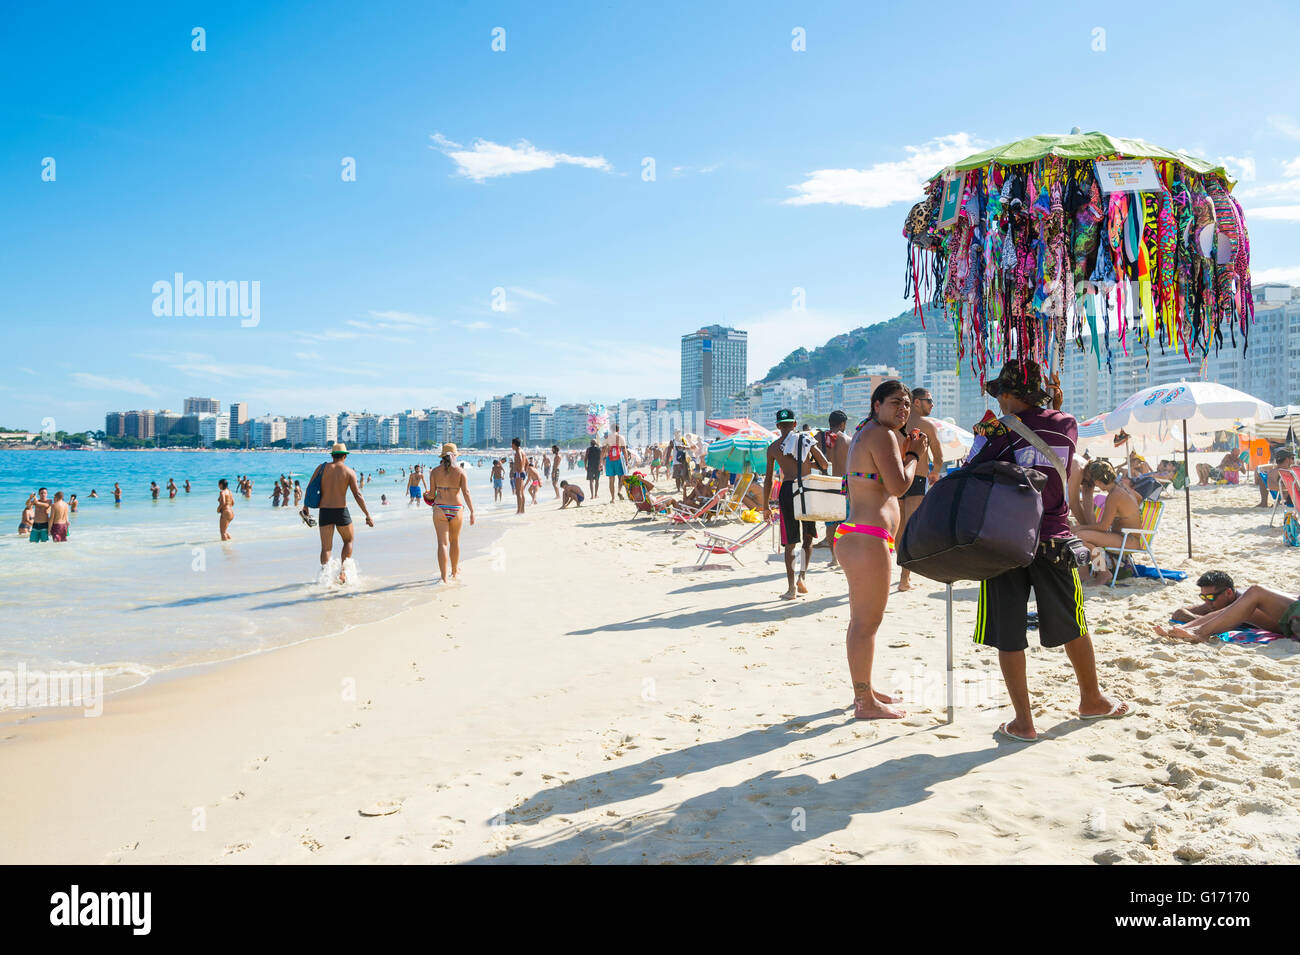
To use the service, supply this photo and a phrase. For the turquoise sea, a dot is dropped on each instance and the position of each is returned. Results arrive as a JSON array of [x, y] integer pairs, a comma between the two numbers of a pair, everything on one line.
[[147, 586]]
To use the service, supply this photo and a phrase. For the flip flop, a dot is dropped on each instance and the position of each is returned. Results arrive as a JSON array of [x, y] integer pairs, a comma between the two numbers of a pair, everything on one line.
[[1003, 731], [306, 517], [1114, 713]]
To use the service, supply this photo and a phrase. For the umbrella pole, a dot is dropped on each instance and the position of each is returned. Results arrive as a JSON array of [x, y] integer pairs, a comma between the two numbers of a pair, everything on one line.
[[950, 688], [1187, 489]]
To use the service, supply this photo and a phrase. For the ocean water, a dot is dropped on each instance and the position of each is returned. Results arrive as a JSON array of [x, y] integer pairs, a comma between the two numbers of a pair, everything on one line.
[[147, 586]]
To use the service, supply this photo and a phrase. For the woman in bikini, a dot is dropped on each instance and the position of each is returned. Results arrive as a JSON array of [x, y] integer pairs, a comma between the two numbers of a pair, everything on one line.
[[882, 464], [447, 485], [1123, 508], [225, 509]]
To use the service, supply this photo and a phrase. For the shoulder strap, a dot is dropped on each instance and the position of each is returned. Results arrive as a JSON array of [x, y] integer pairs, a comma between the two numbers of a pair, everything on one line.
[[1022, 429]]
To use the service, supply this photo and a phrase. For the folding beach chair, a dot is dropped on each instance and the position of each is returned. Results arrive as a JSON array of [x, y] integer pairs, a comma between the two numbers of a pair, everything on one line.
[[645, 503], [1288, 479], [735, 503], [718, 544], [1150, 520], [697, 516]]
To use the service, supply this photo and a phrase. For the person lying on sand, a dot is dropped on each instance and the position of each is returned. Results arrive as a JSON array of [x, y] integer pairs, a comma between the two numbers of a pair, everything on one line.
[[1258, 606], [1217, 592]]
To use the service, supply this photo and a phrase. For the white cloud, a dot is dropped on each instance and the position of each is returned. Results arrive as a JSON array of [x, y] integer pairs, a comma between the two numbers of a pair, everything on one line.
[[307, 355], [1284, 125], [392, 319], [1286, 274], [1291, 167], [131, 386], [1241, 167], [213, 370], [487, 160], [1279, 213], [1287, 189], [530, 294], [473, 326], [884, 183]]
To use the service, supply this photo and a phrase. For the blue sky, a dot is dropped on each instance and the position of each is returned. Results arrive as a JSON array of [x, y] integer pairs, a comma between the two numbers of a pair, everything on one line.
[[521, 170]]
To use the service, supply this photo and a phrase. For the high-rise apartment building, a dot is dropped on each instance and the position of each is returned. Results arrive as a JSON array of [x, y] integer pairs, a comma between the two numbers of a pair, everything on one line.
[[1268, 369], [213, 428], [202, 406], [714, 368]]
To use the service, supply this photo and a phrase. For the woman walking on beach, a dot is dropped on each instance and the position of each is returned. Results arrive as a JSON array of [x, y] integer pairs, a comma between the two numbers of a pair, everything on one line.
[[225, 509], [447, 485], [881, 467], [555, 470]]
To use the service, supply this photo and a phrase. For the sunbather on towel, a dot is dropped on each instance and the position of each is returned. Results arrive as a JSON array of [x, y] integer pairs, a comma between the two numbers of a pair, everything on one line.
[[1217, 592], [1259, 606]]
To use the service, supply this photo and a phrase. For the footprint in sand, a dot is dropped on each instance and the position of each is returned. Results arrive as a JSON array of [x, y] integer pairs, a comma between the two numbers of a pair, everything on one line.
[[384, 807], [256, 764], [230, 850]]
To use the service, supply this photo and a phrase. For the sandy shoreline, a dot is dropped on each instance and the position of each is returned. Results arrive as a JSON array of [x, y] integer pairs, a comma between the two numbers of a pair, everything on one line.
[[582, 699]]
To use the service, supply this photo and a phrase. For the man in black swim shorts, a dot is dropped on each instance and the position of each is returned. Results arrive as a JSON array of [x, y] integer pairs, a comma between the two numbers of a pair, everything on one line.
[[336, 480], [794, 454]]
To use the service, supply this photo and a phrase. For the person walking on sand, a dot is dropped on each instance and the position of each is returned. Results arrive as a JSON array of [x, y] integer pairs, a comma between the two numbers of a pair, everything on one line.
[[882, 464], [593, 469], [929, 468], [534, 479], [225, 509], [615, 450], [498, 479], [555, 470], [336, 480], [1054, 573], [59, 511], [518, 473], [788, 452], [447, 486]]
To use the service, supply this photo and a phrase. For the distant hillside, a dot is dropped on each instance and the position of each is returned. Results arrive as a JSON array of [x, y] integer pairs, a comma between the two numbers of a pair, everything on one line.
[[871, 345]]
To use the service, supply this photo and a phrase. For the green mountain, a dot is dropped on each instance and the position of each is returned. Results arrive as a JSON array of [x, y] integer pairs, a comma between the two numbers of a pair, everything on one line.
[[870, 345]]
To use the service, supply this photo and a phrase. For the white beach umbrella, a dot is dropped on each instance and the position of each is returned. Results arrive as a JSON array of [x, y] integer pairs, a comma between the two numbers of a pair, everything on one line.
[[1197, 406], [955, 442]]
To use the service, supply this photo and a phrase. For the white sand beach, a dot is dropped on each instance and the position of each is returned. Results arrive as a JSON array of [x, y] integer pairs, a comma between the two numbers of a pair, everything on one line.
[[583, 698]]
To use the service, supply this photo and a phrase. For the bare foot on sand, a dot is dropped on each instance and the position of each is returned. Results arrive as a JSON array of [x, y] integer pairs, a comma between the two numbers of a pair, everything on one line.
[[873, 709], [1181, 633], [904, 583], [788, 595], [801, 587]]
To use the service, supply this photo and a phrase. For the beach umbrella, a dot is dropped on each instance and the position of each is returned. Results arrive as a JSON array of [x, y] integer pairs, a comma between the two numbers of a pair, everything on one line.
[[1052, 238], [955, 442], [748, 426], [735, 454], [1196, 406]]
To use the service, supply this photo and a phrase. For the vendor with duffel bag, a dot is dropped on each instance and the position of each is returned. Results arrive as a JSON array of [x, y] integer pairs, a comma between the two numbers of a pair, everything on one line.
[[1040, 439]]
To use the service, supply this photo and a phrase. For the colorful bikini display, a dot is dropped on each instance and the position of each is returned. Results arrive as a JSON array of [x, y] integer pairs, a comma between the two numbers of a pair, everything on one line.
[[1032, 244]]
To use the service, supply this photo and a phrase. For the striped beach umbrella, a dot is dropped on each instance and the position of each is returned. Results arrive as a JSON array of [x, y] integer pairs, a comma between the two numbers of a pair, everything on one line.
[[735, 454]]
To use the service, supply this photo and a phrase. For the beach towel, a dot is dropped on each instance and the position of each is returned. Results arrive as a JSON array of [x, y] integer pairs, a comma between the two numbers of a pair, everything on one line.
[[1142, 570]]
